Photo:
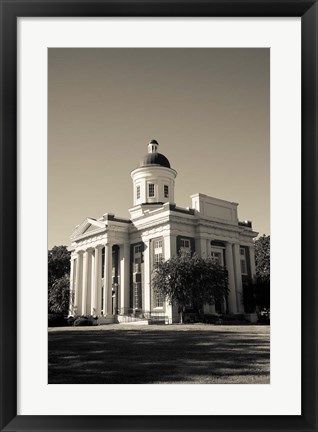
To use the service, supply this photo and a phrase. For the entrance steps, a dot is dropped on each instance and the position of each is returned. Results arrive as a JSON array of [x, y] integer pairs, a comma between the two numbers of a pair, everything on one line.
[[125, 319], [136, 323], [108, 319]]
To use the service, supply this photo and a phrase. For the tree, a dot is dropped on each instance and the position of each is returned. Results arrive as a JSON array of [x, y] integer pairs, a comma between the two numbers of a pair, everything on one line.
[[262, 257], [262, 263], [59, 296], [58, 263], [190, 281], [58, 279]]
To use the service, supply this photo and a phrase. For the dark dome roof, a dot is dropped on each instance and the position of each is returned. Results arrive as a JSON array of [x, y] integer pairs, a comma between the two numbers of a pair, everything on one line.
[[155, 159], [153, 141]]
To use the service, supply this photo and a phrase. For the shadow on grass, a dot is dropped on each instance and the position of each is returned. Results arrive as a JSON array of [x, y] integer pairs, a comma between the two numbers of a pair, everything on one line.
[[136, 357]]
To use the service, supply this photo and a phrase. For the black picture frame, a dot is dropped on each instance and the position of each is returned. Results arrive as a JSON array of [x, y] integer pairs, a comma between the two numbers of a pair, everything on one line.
[[10, 11]]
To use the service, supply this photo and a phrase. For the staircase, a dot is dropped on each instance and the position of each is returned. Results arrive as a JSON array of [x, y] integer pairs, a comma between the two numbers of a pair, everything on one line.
[[108, 319], [125, 319]]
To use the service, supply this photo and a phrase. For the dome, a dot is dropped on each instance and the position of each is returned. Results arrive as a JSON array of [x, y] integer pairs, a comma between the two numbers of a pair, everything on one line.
[[153, 141], [155, 159]]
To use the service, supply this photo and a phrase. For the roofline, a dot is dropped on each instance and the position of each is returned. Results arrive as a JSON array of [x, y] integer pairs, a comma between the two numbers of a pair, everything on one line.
[[214, 198]]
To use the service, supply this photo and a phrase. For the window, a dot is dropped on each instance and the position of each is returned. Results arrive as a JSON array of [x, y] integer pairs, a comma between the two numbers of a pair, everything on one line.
[[137, 276], [151, 190], [157, 244], [185, 243], [137, 259], [138, 192], [185, 246], [158, 258], [138, 249], [166, 191], [159, 301], [137, 294], [217, 257], [243, 261], [137, 265], [157, 251]]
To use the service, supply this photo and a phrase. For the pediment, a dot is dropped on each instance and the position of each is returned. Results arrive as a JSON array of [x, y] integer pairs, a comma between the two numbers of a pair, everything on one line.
[[87, 227]]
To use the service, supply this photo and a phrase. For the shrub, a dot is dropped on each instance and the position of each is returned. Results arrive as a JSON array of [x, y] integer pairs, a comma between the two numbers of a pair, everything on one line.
[[83, 321], [264, 316], [226, 319], [56, 320], [70, 320]]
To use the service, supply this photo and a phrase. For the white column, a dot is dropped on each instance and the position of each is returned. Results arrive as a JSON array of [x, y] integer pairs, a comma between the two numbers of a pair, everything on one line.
[[124, 257], [238, 278], [105, 275], [78, 284], [99, 281], [71, 303], [252, 261], [96, 285], [107, 306], [231, 276], [91, 282], [147, 275], [170, 250], [85, 282]]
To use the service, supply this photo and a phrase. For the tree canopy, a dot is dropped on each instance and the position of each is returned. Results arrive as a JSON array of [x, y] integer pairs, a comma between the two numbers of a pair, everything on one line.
[[59, 295], [58, 279], [262, 257], [262, 264], [58, 263], [190, 281]]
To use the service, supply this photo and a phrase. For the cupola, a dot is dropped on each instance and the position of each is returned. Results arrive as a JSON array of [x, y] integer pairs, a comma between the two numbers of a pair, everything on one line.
[[154, 179]]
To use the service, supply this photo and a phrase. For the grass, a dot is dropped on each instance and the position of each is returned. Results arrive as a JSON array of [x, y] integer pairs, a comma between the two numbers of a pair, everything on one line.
[[175, 354]]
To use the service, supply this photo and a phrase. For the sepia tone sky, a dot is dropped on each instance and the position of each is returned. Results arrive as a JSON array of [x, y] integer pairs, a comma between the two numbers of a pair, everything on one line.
[[207, 108]]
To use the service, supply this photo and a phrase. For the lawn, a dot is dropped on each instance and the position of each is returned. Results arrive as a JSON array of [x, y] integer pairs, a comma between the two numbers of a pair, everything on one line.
[[175, 354]]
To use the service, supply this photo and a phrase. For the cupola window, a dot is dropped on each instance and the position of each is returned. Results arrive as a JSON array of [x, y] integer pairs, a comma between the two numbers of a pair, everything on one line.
[[166, 191], [138, 192], [151, 190]]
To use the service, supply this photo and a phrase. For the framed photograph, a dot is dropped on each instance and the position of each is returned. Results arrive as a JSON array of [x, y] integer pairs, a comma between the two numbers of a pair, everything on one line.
[[125, 304]]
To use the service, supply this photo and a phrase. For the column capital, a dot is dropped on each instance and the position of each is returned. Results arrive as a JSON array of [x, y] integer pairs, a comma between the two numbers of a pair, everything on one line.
[[99, 247], [89, 249], [108, 244], [80, 252]]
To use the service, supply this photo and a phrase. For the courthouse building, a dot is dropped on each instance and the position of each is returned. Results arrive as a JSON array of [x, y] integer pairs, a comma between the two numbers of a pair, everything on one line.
[[112, 258]]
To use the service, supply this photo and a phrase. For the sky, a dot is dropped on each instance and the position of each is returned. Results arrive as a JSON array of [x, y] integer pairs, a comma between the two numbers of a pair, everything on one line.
[[208, 108]]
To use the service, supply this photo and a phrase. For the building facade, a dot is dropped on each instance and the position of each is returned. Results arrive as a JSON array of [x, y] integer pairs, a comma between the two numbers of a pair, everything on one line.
[[112, 258]]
